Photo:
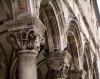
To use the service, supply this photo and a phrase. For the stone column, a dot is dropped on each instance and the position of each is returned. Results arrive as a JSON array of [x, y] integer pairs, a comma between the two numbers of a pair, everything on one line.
[[27, 64], [76, 74], [58, 63], [26, 36]]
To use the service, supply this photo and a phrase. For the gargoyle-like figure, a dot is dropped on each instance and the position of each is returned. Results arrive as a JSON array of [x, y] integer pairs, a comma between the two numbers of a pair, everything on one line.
[[58, 63]]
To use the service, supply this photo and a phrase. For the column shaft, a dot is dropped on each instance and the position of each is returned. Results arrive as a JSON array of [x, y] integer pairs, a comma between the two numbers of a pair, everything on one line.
[[27, 66]]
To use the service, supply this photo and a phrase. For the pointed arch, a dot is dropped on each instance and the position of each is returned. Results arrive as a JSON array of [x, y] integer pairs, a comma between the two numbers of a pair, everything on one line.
[[74, 41]]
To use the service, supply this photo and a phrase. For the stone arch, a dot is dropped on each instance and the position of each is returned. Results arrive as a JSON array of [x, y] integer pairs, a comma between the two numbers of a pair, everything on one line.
[[74, 41], [59, 16], [74, 27], [48, 18], [88, 53], [72, 48], [95, 68], [74, 45], [89, 60]]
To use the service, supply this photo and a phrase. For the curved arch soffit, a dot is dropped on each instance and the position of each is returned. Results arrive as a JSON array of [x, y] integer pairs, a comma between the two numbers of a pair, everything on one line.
[[88, 54], [49, 19], [73, 30], [73, 50]]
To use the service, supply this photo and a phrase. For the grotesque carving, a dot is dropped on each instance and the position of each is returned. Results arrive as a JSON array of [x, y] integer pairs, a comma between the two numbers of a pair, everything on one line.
[[34, 40], [58, 63]]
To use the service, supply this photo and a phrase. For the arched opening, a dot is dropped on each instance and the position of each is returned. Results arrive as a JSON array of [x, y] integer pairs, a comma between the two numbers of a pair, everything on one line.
[[87, 64], [74, 48], [74, 44]]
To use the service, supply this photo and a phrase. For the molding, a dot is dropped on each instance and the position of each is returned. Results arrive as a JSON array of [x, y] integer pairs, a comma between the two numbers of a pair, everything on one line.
[[96, 10], [86, 22], [16, 25]]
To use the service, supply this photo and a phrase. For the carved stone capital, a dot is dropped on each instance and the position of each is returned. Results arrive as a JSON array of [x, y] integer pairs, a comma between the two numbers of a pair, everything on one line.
[[58, 63], [25, 34]]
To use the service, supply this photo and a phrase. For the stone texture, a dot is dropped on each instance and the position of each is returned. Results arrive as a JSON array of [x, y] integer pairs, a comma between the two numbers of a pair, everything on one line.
[[58, 63], [27, 65], [67, 31]]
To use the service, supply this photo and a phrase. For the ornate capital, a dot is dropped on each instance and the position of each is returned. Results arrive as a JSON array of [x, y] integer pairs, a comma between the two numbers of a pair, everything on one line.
[[58, 63], [25, 34]]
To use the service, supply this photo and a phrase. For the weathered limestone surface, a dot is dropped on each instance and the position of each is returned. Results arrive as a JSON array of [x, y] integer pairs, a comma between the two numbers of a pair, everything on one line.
[[58, 63], [66, 31], [25, 37], [27, 65]]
